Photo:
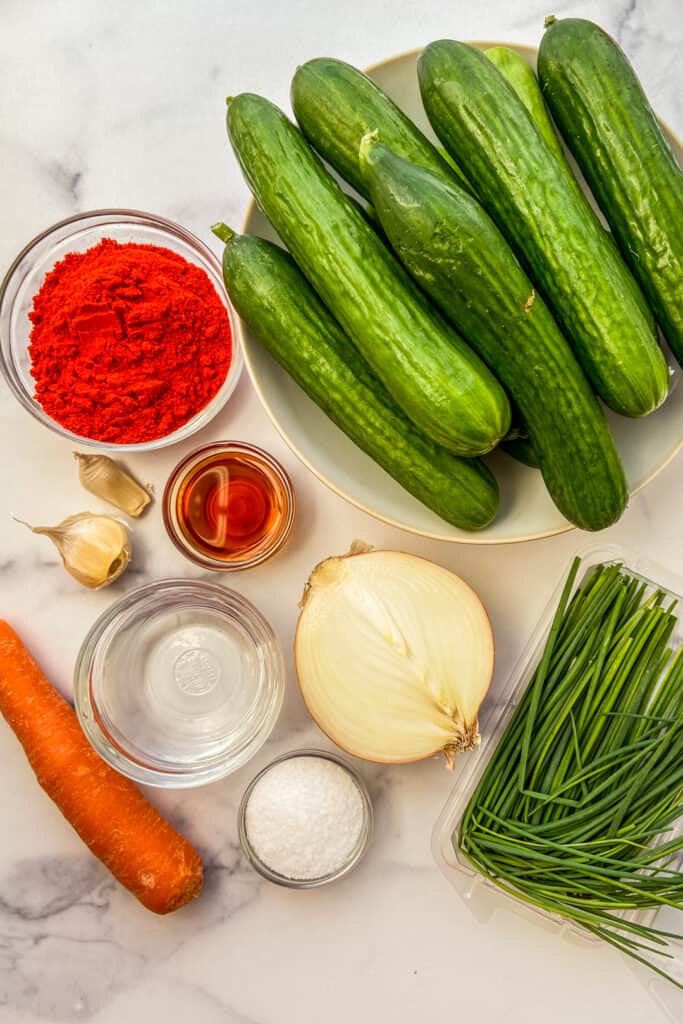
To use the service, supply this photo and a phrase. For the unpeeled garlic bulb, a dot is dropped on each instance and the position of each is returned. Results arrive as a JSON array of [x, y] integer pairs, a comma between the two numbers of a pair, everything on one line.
[[94, 549]]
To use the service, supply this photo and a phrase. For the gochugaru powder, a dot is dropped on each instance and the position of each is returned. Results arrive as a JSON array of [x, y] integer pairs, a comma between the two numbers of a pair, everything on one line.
[[128, 342]]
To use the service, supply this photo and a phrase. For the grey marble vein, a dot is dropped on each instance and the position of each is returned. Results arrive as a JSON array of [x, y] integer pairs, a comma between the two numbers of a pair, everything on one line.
[[624, 19]]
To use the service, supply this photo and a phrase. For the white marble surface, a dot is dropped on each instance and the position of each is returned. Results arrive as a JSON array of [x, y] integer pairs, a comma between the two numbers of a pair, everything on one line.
[[121, 104]]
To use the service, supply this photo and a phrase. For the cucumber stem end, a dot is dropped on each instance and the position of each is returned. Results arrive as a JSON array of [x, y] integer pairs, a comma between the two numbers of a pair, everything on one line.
[[222, 231], [369, 140]]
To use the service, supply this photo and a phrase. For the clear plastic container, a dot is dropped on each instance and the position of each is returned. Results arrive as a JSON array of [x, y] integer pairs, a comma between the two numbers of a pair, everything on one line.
[[483, 898], [179, 683]]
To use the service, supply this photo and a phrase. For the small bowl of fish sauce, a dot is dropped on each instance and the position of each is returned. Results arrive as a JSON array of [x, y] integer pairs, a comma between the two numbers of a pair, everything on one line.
[[228, 506]]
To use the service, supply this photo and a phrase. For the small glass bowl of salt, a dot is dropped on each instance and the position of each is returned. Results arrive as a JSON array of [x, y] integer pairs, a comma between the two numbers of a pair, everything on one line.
[[305, 819]]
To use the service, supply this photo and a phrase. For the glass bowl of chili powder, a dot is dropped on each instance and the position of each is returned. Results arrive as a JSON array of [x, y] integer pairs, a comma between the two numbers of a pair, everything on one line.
[[116, 331]]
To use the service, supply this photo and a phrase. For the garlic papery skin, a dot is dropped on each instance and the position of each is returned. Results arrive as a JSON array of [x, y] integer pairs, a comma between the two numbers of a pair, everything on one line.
[[94, 549], [107, 480], [394, 656]]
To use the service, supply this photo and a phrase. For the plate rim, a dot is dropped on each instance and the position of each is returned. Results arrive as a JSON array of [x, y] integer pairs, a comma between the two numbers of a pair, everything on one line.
[[475, 538]]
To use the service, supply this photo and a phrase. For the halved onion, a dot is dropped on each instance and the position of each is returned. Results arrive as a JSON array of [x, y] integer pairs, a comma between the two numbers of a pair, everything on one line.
[[394, 656]]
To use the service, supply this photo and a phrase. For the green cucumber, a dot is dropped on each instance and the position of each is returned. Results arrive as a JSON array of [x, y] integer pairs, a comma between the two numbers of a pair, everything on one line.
[[543, 214], [438, 381], [274, 299], [521, 77], [335, 105], [457, 254], [521, 449], [608, 124], [516, 442]]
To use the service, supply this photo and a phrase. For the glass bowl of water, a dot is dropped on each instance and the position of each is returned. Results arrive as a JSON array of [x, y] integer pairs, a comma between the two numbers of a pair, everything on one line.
[[179, 683]]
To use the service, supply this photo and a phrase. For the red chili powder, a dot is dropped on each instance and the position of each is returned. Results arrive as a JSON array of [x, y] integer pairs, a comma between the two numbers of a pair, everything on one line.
[[128, 342]]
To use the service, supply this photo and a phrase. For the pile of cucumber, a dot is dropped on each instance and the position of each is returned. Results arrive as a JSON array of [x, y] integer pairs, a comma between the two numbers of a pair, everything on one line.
[[478, 297]]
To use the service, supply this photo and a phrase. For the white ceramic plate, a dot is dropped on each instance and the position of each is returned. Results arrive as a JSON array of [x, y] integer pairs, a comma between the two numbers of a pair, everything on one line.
[[526, 511]]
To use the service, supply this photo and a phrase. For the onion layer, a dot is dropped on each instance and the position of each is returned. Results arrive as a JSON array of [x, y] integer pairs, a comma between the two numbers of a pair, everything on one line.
[[394, 656]]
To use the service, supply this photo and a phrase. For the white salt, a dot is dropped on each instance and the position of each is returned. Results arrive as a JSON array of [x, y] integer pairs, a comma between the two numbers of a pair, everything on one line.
[[304, 817]]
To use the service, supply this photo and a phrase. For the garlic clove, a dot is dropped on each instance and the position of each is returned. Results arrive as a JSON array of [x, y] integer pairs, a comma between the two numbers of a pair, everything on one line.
[[107, 480], [94, 549]]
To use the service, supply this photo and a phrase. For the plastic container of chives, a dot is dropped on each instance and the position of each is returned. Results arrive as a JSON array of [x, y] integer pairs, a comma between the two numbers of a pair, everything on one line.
[[484, 899]]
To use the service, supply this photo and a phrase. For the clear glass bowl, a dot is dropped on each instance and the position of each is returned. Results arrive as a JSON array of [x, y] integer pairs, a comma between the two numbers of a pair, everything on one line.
[[249, 556], [179, 683], [356, 854], [76, 234]]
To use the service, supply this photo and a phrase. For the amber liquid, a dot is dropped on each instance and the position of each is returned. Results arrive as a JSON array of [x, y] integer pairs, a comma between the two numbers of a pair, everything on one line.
[[230, 506]]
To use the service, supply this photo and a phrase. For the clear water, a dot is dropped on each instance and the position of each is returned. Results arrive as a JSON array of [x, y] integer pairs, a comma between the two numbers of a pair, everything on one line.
[[180, 687]]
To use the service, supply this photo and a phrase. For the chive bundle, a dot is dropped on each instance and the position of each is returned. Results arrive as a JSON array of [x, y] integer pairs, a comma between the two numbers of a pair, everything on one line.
[[572, 812]]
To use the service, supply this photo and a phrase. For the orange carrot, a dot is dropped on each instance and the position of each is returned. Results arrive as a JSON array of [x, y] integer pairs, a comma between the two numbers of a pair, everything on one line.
[[140, 848]]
